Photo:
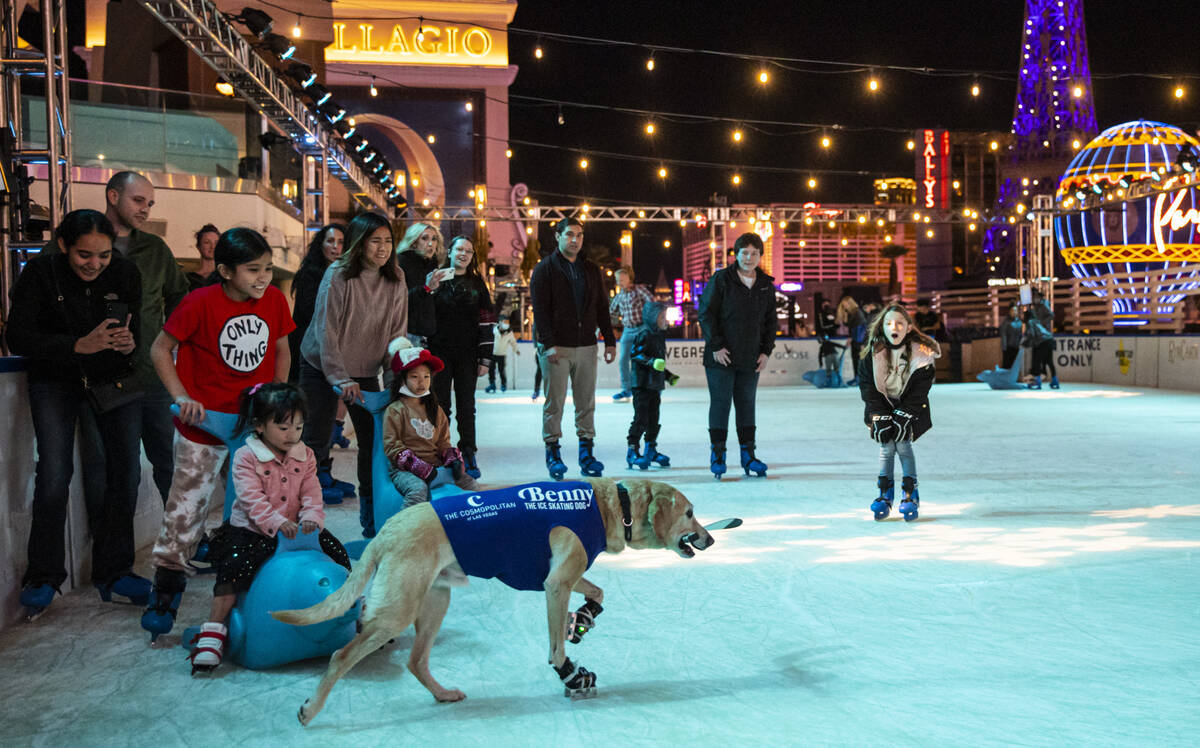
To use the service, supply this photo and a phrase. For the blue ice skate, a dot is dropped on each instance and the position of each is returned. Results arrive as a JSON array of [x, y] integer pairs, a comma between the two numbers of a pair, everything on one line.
[[887, 492], [911, 500], [36, 598]]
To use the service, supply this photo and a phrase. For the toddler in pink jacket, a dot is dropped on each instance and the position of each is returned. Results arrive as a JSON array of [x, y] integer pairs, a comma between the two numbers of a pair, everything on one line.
[[278, 493]]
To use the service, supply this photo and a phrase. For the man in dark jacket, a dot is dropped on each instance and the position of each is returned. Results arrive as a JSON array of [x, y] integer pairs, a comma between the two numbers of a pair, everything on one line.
[[569, 303]]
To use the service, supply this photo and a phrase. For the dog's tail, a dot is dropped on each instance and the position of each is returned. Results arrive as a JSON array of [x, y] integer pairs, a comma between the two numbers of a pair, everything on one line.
[[341, 600]]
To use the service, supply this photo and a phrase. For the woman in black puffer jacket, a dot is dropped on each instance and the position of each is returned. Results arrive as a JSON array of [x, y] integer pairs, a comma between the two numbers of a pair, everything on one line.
[[463, 341], [419, 254], [737, 316]]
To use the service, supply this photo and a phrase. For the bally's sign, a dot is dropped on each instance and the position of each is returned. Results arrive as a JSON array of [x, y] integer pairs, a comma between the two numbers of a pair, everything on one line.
[[407, 42]]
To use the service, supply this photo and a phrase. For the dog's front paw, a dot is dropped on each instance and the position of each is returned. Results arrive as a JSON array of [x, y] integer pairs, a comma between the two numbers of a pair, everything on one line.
[[303, 714], [449, 695]]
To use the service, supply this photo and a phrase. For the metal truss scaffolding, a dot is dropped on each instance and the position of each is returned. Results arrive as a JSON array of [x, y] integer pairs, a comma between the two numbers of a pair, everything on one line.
[[210, 35], [682, 215], [18, 231]]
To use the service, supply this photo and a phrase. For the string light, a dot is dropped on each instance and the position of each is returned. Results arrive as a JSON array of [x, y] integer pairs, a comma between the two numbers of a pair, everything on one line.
[[508, 152], [763, 76], [537, 52], [650, 62], [666, 243], [583, 164], [560, 116], [812, 183], [1179, 92], [994, 145], [431, 139], [469, 106], [1077, 92], [297, 32], [737, 179], [650, 128], [911, 145], [737, 136], [873, 84], [374, 90], [826, 141], [975, 89], [420, 29], [662, 173]]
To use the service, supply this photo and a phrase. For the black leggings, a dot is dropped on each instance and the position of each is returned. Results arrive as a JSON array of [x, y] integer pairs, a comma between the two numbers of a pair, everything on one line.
[[460, 375], [738, 386], [322, 411], [646, 404], [1043, 358]]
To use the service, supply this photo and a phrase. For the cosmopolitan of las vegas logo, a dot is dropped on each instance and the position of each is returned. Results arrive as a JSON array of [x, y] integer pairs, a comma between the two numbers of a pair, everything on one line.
[[243, 342]]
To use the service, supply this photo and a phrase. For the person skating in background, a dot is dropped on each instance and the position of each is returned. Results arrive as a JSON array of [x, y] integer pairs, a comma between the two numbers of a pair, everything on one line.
[[416, 431], [503, 341], [1010, 336], [737, 314], [628, 302], [894, 376], [206, 242], [1039, 331], [268, 504], [929, 321], [568, 305], [850, 315], [463, 341], [647, 354]]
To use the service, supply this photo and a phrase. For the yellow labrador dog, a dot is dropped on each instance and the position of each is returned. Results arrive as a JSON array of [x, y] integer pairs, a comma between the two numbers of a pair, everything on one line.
[[568, 524]]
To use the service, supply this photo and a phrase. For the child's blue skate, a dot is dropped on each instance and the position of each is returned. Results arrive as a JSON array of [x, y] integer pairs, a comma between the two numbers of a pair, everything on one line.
[[887, 492], [35, 599], [130, 586], [911, 500], [167, 593]]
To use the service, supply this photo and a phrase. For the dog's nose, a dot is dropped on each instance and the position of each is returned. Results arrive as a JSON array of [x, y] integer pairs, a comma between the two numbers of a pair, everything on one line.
[[705, 541]]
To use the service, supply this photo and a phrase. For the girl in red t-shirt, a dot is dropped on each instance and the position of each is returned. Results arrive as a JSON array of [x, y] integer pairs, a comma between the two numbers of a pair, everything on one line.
[[229, 337]]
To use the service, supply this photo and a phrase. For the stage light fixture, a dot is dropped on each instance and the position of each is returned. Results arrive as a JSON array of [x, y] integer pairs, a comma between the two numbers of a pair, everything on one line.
[[269, 140], [319, 93], [361, 146], [332, 112], [259, 23], [370, 156], [224, 87], [279, 46], [1125, 180], [302, 73]]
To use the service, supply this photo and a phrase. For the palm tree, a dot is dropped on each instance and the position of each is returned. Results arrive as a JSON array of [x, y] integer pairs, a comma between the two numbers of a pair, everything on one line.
[[892, 252]]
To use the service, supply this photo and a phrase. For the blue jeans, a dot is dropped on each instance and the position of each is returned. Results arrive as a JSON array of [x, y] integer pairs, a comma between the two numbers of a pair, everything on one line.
[[725, 386], [56, 408], [908, 461], [624, 343]]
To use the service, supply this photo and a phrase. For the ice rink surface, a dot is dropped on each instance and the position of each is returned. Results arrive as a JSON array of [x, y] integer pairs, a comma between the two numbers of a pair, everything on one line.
[[1047, 596]]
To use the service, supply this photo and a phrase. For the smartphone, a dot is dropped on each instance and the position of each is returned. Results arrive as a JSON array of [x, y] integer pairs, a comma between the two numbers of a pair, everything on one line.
[[117, 311], [446, 274]]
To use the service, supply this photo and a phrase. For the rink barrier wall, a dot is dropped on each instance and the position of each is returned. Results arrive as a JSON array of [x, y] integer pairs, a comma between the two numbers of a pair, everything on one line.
[[1167, 362]]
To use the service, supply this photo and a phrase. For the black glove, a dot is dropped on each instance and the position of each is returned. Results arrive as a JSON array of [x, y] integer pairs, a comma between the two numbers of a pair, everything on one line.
[[883, 429], [904, 424]]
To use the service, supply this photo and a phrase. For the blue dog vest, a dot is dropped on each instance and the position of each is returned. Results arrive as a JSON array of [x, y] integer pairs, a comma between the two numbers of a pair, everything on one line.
[[506, 533]]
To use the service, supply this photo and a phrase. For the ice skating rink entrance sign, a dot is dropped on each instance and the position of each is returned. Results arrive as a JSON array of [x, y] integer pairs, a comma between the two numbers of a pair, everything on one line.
[[1166, 362]]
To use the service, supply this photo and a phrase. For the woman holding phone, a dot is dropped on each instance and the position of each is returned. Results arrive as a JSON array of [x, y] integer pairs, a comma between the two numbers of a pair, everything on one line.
[[75, 316], [419, 253]]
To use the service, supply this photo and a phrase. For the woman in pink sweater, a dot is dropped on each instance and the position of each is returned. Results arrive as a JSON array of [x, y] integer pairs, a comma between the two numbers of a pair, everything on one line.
[[277, 494]]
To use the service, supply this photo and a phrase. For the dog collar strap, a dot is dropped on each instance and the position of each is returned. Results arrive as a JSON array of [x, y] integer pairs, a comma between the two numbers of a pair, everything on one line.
[[626, 512]]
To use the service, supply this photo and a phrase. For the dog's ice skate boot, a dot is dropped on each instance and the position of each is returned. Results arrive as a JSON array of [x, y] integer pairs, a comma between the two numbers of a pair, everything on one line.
[[35, 598], [588, 464], [554, 461], [883, 505], [165, 597], [208, 646], [130, 586], [470, 465], [911, 500], [653, 456], [583, 620], [578, 682], [751, 463]]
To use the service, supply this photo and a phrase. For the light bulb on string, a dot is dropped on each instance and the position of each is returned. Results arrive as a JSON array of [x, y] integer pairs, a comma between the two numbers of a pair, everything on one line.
[[737, 136], [650, 128], [975, 89], [662, 173], [911, 145], [1180, 91], [374, 90], [583, 164], [469, 106], [1077, 92], [650, 62], [873, 83], [537, 52], [420, 29], [812, 183], [763, 76], [297, 32], [560, 116], [826, 141], [737, 179]]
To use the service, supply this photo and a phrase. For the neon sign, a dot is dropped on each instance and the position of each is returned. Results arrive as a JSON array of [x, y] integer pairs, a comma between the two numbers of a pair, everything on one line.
[[933, 168], [1173, 217], [409, 43]]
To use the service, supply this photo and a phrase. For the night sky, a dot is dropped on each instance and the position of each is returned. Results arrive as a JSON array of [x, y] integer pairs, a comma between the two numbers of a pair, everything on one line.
[[975, 36]]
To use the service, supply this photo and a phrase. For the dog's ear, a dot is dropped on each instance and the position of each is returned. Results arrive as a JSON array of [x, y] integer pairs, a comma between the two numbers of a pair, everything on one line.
[[660, 500]]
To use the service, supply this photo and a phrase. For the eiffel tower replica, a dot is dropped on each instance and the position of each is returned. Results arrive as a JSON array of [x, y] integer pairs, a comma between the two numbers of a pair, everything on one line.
[[1054, 114]]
